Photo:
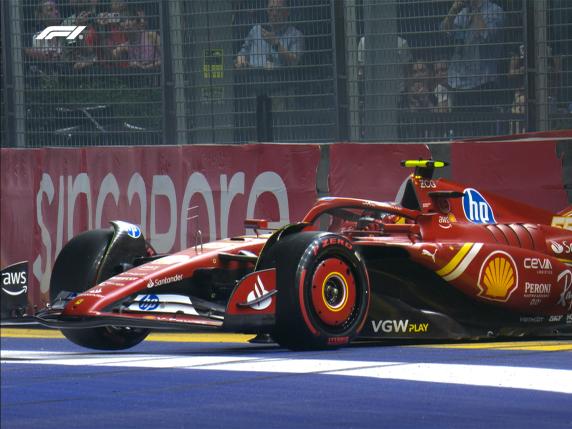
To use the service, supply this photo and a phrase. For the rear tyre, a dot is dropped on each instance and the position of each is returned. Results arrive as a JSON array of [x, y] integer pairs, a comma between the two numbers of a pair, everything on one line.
[[77, 268], [323, 291]]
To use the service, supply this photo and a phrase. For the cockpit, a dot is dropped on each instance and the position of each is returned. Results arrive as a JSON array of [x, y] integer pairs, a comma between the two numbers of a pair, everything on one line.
[[357, 220]]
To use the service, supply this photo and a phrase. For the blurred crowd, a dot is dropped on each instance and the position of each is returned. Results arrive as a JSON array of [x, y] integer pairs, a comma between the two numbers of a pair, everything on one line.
[[118, 36], [460, 61]]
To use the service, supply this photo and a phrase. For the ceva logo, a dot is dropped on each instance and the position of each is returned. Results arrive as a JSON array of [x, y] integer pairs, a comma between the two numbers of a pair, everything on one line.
[[476, 208], [70, 32]]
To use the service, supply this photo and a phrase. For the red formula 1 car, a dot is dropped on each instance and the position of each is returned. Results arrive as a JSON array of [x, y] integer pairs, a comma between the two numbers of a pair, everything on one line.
[[445, 261]]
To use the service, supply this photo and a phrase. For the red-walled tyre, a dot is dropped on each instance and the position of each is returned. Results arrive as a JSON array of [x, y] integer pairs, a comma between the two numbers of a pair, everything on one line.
[[323, 291]]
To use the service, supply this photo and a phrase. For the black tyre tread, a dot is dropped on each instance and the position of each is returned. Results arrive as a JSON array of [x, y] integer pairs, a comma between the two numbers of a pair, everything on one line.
[[76, 270], [106, 338], [76, 266]]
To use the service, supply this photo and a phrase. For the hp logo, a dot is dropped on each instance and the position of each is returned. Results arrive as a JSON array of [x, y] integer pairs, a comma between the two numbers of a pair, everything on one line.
[[149, 302], [133, 231], [476, 208]]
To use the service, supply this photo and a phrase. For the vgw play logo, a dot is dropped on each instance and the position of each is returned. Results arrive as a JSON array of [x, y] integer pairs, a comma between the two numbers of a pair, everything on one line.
[[476, 208]]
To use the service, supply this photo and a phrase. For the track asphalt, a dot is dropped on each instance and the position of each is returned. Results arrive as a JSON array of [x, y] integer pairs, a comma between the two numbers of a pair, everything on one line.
[[211, 380]]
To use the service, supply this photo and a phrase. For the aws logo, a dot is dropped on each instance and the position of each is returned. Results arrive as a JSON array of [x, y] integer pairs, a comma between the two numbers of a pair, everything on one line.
[[476, 208], [14, 279], [498, 277]]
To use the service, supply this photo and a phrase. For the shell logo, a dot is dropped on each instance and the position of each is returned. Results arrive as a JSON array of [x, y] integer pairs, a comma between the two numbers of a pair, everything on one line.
[[498, 278]]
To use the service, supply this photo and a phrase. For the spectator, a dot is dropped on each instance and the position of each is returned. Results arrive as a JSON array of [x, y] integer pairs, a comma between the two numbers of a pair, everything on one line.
[[112, 34], [273, 44], [47, 14], [418, 93], [403, 54], [143, 47], [80, 53], [516, 74], [441, 89], [517, 68], [475, 26]]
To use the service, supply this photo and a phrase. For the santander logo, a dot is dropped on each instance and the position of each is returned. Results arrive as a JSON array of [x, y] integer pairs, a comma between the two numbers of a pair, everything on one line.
[[556, 247], [257, 293], [560, 248]]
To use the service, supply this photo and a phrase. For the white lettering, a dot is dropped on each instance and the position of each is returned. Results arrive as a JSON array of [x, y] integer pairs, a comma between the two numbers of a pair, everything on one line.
[[47, 189], [269, 182], [537, 264], [227, 194], [137, 186], [68, 31], [108, 186], [483, 212], [537, 288], [390, 326], [163, 186], [478, 210], [153, 283], [197, 184], [77, 187], [427, 184], [10, 279], [79, 207], [565, 299], [60, 226]]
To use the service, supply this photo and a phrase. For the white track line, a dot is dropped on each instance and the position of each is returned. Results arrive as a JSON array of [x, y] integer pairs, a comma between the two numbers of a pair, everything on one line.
[[543, 379]]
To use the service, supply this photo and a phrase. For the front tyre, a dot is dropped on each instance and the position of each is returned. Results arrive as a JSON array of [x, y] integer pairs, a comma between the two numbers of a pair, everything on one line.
[[106, 338], [79, 266], [323, 296]]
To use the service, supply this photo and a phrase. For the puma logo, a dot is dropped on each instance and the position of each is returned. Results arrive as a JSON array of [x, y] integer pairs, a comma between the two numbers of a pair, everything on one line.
[[426, 252]]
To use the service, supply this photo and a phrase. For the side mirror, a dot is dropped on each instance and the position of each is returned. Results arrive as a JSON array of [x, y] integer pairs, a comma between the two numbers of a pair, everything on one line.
[[256, 224]]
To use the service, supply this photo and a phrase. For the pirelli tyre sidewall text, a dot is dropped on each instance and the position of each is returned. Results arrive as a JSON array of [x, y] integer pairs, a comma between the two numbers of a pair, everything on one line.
[[323, 296]]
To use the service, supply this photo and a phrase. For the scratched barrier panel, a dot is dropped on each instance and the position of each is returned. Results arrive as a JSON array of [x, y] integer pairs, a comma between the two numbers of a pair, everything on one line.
[[528, 171], [51, 195], [525, 171]]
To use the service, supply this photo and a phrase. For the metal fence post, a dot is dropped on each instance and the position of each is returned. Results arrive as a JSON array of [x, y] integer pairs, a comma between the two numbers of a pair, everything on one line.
[[175, 29], [13, 74], [381, 100], [541, 59], [339, 72], [169, 117], [352, 68], [8, 133], [530, 58]]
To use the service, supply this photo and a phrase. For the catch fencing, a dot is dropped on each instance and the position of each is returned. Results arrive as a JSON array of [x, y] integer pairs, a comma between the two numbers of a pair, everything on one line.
[[148, 72]]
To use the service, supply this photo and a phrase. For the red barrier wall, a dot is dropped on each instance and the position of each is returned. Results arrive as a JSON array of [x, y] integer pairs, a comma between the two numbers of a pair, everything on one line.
[[50, 195], [525, 171], [370, 171]]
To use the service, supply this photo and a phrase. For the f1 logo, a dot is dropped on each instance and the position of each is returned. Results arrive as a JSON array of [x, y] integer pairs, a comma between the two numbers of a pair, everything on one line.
[[70, 32]]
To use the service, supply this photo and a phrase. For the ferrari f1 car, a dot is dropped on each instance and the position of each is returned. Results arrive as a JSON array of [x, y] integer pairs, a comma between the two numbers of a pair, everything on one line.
[[444, 261]]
